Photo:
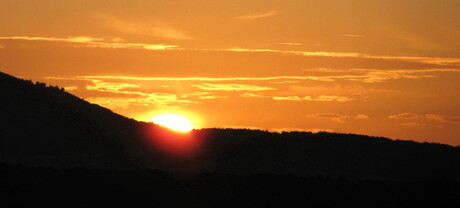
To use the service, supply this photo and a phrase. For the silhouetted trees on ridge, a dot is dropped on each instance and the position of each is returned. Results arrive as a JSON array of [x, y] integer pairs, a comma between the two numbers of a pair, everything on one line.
[[44, 125], [56, 148]]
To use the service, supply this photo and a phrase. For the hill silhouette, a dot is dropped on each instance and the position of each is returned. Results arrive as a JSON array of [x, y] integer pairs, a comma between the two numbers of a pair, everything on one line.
[[46, 126], [56, 147]]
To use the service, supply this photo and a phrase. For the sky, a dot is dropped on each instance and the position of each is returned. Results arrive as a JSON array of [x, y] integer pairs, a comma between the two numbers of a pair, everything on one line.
[[381, 68]]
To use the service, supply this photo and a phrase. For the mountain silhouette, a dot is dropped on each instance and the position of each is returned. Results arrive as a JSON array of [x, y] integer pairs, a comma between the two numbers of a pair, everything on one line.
[[44, 126], [57, 149]]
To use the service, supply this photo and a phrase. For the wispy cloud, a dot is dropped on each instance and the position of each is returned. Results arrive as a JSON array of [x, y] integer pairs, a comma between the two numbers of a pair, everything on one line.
[[119, 43], [203, 95], [135, 96], [408, 116], [354, 36], [143, 27], [93, 42], [251, 95], [444, 118], [78, 39], [288, 98], [360, 117], [425, 60], [337, 117], [328, 98], [413, 124], [410, 38], [321, 98], [231, 87], [290, 44], [71, 88], [259, 15], [423, 120], [353, 89], [208, 79], [120, 88], [358, 75]]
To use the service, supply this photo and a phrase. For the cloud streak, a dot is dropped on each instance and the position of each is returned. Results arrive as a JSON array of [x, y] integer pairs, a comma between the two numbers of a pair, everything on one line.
[[320, 98], [288, 98], [119, 43], [231, 87], [328, 98], [425, 60], [444, 118], [359, 75], [405, 116], [337, 117], [136, 98], [143, 27], [92, 42], [77, 39], [259, 15]]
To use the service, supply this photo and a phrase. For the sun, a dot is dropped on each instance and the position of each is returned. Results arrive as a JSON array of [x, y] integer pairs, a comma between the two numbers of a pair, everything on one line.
[[174, 122]]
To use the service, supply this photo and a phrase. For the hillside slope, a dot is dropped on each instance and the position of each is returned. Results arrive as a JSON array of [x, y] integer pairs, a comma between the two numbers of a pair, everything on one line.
[[46, 126]]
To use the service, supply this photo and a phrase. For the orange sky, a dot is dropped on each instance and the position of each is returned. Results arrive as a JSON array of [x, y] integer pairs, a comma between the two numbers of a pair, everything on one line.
[[383, 68]]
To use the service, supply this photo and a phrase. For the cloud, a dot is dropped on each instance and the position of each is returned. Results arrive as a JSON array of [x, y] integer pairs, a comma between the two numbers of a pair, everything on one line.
[[135, 97], [444, 118], [102, 86], [92, 42], [406, 116], [204, 95], [304, 53], [425, 60], [71, 88], [413, 124], [143, 27], [77, 39], [148, 100], [249, 94], [259, 15], [411, 39], [211, 97], [231, 87], [354, 36], [419, 120], [289, 98], [208, 79], [330, 116], [328, 98], [290, 44], [337, 117], [119, 43], [358, 75], [154, 47], [321, 98], [361, 117], [354, 89]]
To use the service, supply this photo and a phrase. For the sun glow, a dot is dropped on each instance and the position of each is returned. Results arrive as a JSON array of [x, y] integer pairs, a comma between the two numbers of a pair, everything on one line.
[[174, 122]]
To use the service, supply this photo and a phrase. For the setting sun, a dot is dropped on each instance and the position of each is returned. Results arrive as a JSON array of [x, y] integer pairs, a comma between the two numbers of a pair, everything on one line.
[[174, 122]]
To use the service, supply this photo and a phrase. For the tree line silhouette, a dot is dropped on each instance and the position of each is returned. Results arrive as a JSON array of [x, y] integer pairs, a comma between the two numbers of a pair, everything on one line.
[[55, 143]]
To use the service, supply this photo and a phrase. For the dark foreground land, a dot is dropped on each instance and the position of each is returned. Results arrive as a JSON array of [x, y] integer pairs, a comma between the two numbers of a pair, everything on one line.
[[103, 188], [57, 149]]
